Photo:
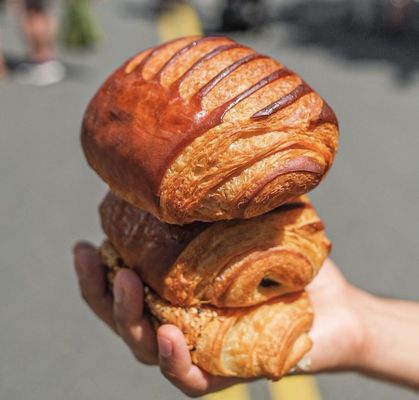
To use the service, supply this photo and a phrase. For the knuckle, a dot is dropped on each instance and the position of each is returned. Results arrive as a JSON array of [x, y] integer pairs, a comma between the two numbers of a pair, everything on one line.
[[126, 336], [181, 382], [169, 374], [150, 362], [120, 321], [84, 296], [144, 357], [177, 380], [193, 393], [87, 294], [139, 356]]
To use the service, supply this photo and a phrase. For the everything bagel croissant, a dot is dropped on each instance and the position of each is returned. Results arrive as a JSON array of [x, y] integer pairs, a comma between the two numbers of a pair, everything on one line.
[[264, 340], [226, 264], [205, 129]]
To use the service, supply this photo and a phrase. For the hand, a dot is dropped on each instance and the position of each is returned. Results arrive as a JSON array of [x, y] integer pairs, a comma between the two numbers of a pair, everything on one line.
[[124, 314], [337, 332], [354, 330]]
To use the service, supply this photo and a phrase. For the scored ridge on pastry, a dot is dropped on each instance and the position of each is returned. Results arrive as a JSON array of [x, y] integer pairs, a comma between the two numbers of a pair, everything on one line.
[[205, 129], [227, 264]]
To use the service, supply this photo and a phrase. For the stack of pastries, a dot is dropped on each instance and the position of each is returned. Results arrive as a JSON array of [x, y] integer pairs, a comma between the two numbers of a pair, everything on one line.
[[208, 149]]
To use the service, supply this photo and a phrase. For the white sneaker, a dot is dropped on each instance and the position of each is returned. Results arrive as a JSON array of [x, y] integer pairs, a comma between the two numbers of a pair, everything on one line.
[[40, 74]]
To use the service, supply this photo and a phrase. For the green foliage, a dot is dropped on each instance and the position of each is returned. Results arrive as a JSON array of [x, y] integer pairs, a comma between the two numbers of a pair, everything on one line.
[[80, 27]]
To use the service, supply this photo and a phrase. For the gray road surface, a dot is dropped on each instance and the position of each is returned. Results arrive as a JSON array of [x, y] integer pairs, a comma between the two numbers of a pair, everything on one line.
[[50, 346]]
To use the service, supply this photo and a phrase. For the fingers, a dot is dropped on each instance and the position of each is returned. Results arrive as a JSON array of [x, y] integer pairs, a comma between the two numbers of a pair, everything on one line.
[[92, 282], [131, 324], [124, 313], [176, 365], [337, 329]]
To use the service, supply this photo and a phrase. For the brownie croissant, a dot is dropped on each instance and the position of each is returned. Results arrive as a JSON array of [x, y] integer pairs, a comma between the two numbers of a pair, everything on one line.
[[226, 264], [206, 129], [264, 340]]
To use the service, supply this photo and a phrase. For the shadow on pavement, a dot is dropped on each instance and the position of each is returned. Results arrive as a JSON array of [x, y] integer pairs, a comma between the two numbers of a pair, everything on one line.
[[135, 10], [74, 71], [12, 62]]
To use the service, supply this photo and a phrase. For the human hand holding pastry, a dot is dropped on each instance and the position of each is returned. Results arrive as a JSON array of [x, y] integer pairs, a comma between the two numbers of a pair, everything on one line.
[[126, 317], [208, 148], [344, 333]]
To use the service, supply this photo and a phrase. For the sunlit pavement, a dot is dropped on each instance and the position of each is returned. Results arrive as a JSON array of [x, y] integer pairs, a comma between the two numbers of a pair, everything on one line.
[[50, 346]]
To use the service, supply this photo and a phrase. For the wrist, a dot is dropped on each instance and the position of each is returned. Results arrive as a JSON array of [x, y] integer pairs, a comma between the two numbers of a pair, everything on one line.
[[389, 339], [366, 307], [361, 338]]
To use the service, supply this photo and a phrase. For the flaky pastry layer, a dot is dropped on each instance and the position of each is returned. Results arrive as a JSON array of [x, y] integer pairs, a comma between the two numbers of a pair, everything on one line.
[[206, 129], [227, 264], [266, 340]]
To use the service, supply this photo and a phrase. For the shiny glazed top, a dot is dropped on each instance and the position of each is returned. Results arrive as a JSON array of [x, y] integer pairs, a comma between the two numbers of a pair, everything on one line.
[[154, 106]]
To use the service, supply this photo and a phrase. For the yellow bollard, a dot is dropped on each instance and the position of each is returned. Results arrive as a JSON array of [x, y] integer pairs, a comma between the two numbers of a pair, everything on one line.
[[237, 392], [299, 387], [180, 21]]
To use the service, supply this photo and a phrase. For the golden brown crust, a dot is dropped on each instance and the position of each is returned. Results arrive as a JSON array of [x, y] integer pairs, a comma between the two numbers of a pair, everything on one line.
[[263, 340], [226, 264], [189, 129]]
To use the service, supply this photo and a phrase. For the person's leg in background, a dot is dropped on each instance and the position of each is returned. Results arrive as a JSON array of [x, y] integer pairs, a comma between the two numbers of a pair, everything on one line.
[[40, 28], [3, 68], [398, 18]]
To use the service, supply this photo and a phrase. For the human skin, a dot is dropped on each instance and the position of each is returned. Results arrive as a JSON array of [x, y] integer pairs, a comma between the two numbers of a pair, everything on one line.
[[352, 329], [3, 69], [40, 29]]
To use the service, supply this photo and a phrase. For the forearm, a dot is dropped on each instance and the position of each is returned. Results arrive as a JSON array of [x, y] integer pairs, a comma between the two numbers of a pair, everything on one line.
[[391, 349]]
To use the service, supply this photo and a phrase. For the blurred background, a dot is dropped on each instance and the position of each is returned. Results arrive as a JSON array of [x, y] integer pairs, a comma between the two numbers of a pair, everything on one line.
[[361, 55]]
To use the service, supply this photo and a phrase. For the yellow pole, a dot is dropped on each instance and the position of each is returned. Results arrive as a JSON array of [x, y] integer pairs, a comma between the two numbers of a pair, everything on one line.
[[302, 387]]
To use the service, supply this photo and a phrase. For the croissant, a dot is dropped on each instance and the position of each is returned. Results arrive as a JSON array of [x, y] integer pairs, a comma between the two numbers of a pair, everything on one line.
[[226, 264], [206, 129], [264, 340]]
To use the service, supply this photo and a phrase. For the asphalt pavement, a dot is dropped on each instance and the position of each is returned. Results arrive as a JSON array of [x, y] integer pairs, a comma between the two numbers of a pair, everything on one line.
[[50, 345]]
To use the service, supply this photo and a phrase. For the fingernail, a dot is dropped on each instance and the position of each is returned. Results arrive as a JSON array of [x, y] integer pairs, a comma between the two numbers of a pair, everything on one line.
[[304, 364], [76, 248], [80, 246], [118, 293], [165, 347]]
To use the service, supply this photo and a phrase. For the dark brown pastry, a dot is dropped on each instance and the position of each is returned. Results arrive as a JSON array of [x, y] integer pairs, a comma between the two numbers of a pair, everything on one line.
[[227, 264]]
